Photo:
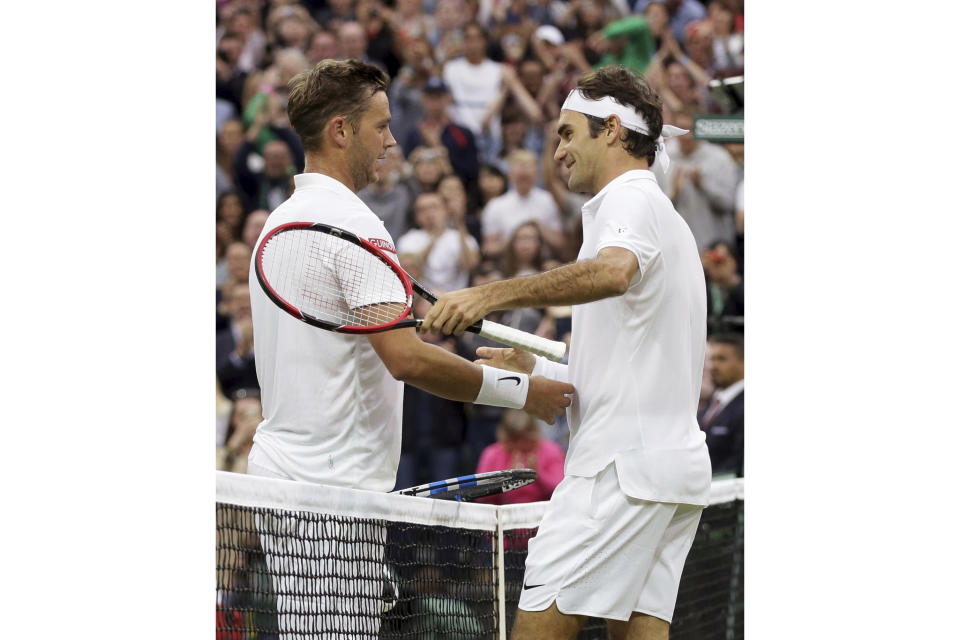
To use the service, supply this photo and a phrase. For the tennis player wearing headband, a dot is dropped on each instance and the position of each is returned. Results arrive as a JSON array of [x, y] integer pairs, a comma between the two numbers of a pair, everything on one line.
[[616, 534]]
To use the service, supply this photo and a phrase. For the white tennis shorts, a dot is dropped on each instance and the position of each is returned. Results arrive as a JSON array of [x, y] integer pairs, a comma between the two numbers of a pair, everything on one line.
[[601, 553]]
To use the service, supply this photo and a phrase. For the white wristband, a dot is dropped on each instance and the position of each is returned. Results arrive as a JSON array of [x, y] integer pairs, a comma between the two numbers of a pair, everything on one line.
[[502, 388]]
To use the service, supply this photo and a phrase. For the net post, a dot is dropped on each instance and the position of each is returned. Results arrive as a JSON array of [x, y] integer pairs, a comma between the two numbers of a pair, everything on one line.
[[501, 582]]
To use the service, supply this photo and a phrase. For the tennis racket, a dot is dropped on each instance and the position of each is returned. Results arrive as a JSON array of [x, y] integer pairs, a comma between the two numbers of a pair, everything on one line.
[[467, 488], [333, 279]]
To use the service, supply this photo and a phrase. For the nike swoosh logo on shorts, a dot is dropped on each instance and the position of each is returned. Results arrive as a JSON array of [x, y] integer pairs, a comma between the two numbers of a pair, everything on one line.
[[532, 586], [509, 378]]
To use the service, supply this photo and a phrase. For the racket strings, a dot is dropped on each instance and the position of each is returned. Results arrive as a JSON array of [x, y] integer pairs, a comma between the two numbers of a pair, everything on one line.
[[333, 279]]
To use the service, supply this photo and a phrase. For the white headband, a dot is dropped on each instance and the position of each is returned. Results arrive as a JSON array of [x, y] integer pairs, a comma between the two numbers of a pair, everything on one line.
[[629, 118]]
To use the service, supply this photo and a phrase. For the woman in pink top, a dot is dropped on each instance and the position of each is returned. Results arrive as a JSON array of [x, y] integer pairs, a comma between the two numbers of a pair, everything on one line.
[[520, 446]]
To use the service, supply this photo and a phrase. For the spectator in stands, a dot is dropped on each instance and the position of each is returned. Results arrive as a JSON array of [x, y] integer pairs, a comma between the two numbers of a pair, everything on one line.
[[520, 446], [252, 227], [523, 255], [354, 44], [230, 214], [323, 46], [335, 13], [627, 41], [234, 347], [230, 78], [443, 255], [246, 415], [702, 181], [436, 129], [447, 37], [290, 26], [243, 20], [491, 183], [389, 196], [722, 420], [410, 22], [229, 139], [429, 167], [268, 187], [724, 282], [727, 42], [681, 13], [524, 201], [474, 81], [455, 196]]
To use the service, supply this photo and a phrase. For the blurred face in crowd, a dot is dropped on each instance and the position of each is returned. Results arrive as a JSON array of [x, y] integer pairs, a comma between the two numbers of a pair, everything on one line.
[[230, 47], [289, 63], [526, 243], [531, 76], [322, 47], [657, 18], [491, 184], [518, 430], [523, 174], [409, 9], [430, 212], [293, 32], [514, 133], [237, 300], [435, 104], [578, 152], [231, 136], [231, 210], [474, 44], [238, 261], [428, 167], [277, 160], [353, 41], [253, 226], [726, 366], [371, 141], [450, 14], [453, 193], [679, 80], [719, 263], [721, 18]]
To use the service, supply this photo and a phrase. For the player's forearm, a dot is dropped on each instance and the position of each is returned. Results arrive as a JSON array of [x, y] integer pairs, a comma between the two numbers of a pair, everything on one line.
[[427, 366], [577, 283]]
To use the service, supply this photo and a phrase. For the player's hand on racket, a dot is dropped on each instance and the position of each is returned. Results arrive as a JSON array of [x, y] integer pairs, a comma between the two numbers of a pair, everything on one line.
[[547, 399], [510, 359], [453, 312]]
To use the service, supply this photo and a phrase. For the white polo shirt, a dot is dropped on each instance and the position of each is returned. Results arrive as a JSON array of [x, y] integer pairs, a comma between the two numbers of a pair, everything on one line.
[[636, 360], [442, 271], [505, 213], [331, 410]]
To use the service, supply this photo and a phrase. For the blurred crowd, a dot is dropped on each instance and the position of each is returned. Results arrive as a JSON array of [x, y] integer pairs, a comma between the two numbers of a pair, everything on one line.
[[471, 193]]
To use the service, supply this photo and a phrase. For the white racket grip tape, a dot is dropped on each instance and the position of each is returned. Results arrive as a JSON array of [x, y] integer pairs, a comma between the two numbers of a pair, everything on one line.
[[522, 340], [502, 388]]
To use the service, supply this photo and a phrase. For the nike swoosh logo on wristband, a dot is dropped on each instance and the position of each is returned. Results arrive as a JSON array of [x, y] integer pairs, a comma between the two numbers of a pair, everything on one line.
[[516, 378]]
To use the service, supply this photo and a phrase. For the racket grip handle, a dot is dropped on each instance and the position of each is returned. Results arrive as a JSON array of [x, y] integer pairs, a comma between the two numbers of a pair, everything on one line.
[[503, 334]]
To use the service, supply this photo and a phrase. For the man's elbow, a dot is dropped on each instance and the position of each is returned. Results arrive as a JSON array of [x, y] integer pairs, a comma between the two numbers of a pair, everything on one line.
[[618, 283]]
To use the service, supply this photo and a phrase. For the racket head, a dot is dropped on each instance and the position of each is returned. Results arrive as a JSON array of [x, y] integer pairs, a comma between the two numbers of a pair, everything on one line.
[[333, 279], [469, 487]]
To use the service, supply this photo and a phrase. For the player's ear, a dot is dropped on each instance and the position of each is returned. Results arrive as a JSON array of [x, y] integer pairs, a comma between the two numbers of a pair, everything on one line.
[[337, 129], [614, 127]]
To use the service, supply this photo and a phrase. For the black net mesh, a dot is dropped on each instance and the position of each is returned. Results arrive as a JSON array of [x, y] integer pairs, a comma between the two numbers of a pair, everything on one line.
[[297, 574]]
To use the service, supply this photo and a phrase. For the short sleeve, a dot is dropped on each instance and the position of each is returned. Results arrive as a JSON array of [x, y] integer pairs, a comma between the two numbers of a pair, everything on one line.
[[626, 219], [363, 278]]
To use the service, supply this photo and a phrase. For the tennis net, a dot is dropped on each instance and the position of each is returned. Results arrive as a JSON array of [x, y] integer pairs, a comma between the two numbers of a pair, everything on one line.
[[296, 560]]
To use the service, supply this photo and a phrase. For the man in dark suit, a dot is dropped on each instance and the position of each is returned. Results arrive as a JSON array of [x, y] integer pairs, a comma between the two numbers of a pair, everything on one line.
[[235, 365], [722, 419]]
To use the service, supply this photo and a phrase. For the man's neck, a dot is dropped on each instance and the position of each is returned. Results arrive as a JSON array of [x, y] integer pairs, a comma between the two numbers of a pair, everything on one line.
[[616, 167], [335, 170]]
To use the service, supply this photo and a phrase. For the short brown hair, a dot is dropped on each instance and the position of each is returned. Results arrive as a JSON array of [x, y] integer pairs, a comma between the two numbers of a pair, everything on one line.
[[332, 88], [631, 90]]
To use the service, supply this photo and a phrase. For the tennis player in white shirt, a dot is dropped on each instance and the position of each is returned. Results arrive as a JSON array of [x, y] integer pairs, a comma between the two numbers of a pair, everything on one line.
[[332, 403], [615, 537]]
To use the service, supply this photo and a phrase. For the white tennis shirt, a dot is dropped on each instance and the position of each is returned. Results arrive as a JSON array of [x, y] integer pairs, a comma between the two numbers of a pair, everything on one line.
[[331, 410], [636, 360]]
